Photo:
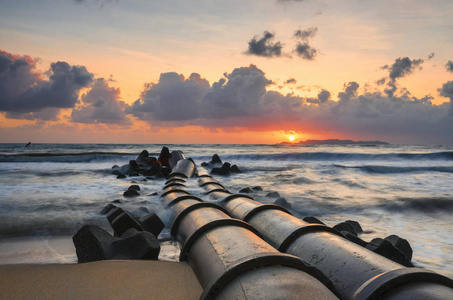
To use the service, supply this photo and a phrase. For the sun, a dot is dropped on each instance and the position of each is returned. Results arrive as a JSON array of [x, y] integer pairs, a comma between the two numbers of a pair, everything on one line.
[[291, 138]]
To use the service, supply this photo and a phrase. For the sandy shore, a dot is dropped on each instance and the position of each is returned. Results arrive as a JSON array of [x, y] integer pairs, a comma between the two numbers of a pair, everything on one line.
[[99, 280]]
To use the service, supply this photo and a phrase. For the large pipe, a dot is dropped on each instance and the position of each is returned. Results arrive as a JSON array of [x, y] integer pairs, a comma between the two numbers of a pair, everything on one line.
[[231, 261], [356, 272]]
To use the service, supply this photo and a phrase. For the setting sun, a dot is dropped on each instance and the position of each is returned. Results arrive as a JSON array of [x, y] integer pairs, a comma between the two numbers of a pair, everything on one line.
[[291, 138]]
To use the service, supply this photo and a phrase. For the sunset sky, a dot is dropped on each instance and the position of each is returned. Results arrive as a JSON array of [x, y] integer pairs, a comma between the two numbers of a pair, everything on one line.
[[208, 71]]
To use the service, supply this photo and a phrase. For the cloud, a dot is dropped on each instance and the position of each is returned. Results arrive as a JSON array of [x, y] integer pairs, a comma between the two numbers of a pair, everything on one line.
[[173, 98], [306, 34], [402, 67], [291, 81], [241, 100], [449, 66], [303, 49], [25, 91], [101, 104], [264, 46], [431, 55]]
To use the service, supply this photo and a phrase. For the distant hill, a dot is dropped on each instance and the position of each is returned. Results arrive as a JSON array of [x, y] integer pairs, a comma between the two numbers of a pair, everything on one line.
[[335, 142]]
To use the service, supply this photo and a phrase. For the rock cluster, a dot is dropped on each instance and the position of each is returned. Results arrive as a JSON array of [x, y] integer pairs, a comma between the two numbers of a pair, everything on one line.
[[147, 165], [220, 168], [132, 239]]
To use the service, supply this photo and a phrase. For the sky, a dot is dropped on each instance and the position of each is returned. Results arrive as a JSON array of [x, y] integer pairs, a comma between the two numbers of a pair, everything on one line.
[[221, 72]]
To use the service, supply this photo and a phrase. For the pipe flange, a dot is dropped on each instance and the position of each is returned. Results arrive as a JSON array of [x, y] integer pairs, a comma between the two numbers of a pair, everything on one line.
[[212, 289], [216, 190], [179, 217], [257, 209], [174, 174], [212, 225], [175, 191], [378, 285], [181, 198], [305, 230], [234, 196]]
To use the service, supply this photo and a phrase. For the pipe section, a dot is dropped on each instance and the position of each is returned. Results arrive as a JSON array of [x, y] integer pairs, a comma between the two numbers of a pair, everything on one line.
[[356, 272], [231, 261]]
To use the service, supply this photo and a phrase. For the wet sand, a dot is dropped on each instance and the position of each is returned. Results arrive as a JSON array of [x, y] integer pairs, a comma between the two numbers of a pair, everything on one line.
[[114, 279]]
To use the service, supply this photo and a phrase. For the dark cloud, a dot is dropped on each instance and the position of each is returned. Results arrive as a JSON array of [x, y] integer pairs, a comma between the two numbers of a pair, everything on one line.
[[449, 66], [264, 46], [350, 91], [305, 51], [25, 91], [431, 55], [173, 98], [306, 34], [323, 97], [402, 67], [101, 104], [291, 81]]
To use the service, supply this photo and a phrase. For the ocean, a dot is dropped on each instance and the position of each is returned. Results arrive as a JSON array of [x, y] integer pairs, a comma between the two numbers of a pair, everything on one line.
[[49, 191]]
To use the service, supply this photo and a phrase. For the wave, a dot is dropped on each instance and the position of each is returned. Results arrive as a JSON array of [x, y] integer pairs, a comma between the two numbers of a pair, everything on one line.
[[68, 157], [397, 170], [424, 204], [336, 156]]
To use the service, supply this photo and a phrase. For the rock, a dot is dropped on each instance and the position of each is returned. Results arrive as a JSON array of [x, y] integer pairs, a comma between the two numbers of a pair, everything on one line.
[[144, 180], [401, 244], [257, 188], [134, 165], [153, 194], [283, 202], [107, 208], [204, 164], [273, 195], [165, 171], [355, 239], [120, 176], [224, 170], [142, 158], [152, 223], [92, 243], [134, 187], [114, 213], [215, 160], [235, 169], [123, 222], [134, 173], [386, 249], [115, 167], [145, 202], [116, 201], [116, 172], [143, 245], [246, 190], [164, 156], [131, 193], [343, 226], [355, 225], [313, 220]]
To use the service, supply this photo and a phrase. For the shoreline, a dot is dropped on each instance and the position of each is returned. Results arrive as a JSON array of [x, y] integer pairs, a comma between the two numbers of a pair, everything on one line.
[[108, 279], [58, 249]]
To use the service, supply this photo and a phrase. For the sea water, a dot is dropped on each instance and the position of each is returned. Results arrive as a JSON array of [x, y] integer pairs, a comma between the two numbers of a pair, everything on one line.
[[49, 191]]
